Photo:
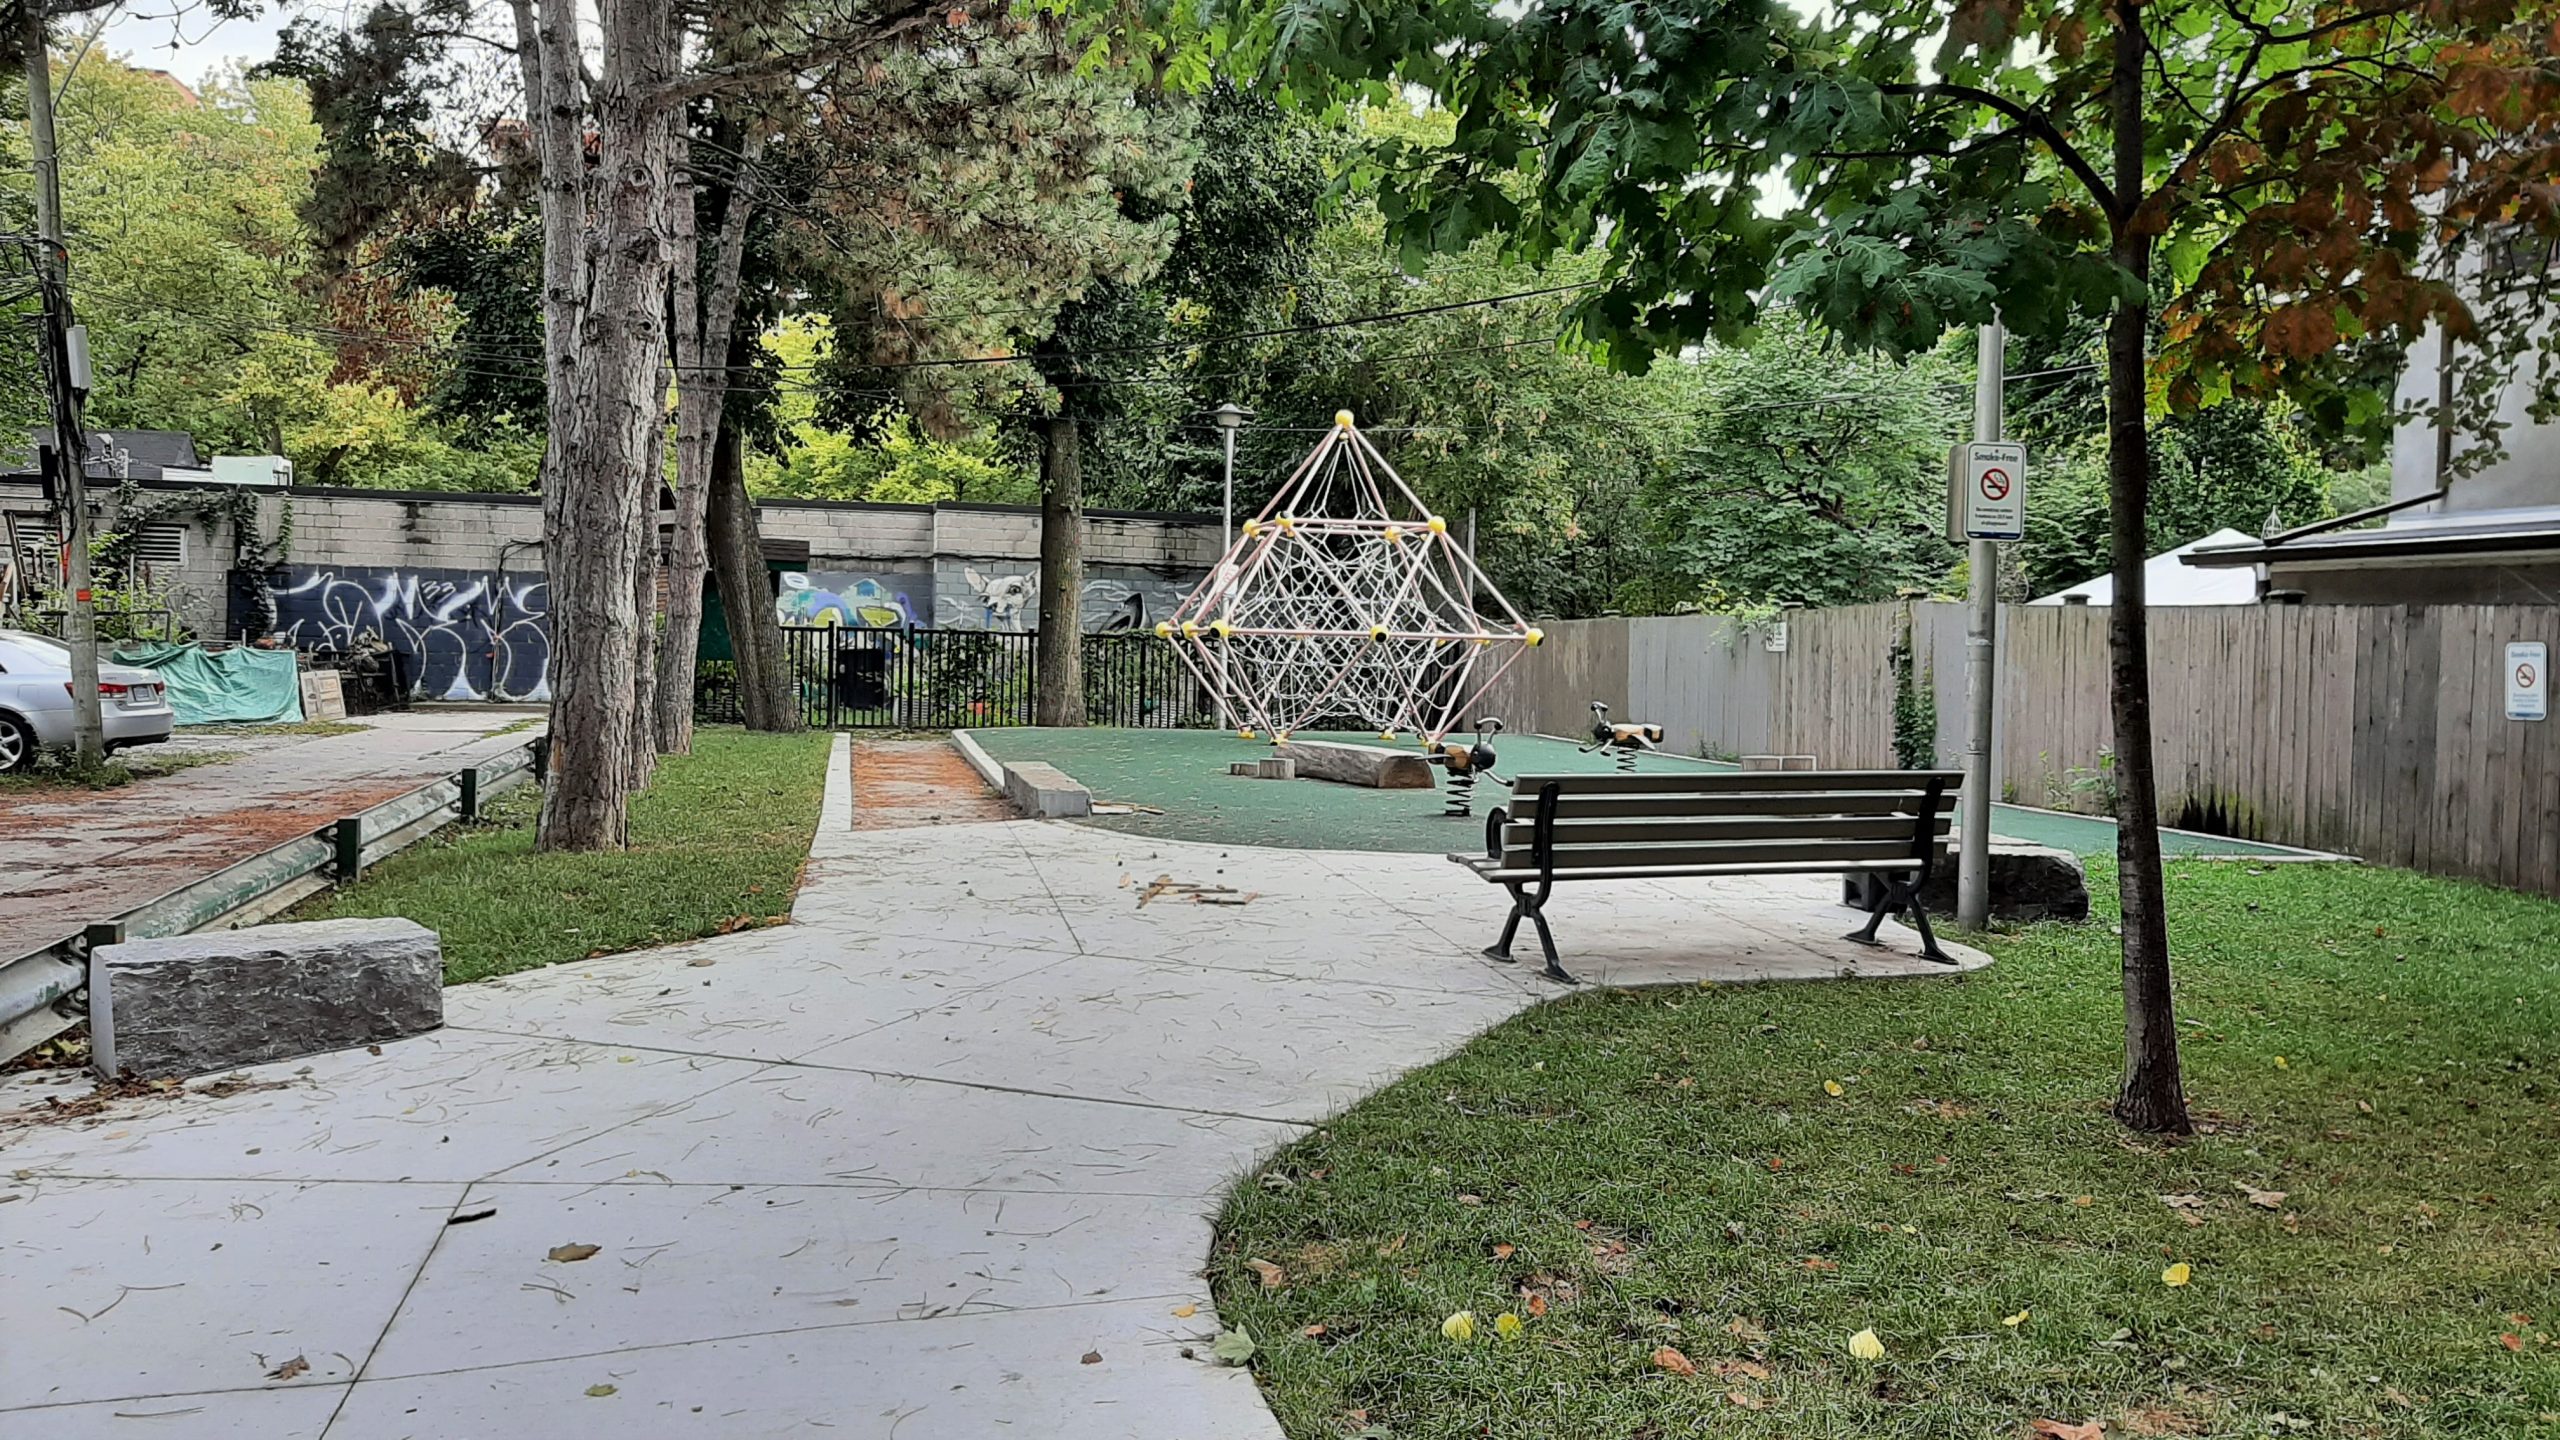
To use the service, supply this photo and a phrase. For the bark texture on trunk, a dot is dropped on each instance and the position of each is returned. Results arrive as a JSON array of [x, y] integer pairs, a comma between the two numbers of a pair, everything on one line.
[[766, 695], [2152, 1097], [644, 601], [1060, 653], [598, 495], [705, 314]]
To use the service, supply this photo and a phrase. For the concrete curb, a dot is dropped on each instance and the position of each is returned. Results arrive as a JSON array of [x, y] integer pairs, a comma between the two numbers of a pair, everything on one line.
[[979, 760]]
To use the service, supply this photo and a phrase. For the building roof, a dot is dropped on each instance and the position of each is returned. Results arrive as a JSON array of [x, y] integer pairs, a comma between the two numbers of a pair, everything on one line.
[[2166, 580], [145, 453], [2528, 529]]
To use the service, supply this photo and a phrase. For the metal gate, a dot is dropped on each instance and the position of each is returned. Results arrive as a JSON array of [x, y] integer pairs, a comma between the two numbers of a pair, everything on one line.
[[916, 679]]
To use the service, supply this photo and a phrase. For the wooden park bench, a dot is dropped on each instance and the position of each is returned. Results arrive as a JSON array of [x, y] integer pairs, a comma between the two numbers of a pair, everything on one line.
[[1889, 824]]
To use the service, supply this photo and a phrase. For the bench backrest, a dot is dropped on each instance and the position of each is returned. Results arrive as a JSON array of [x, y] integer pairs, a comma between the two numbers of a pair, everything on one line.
[[1644, 819]]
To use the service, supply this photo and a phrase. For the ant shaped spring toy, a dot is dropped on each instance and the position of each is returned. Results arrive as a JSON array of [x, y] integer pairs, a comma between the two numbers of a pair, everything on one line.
[[1464, 763], [1623, 740]]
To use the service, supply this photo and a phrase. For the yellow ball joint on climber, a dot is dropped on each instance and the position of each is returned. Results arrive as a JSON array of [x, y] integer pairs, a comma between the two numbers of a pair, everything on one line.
[[1342, 418], [1377, 632], [1222, 629], [1533, 636], [1288, 526], [1191, 629], [1437, 525], [1253, 527], [1395, 534], [1164, 629], [1245, 733]]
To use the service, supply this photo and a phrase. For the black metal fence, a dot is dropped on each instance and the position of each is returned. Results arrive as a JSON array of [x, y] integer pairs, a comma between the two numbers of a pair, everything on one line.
[[913, 679]]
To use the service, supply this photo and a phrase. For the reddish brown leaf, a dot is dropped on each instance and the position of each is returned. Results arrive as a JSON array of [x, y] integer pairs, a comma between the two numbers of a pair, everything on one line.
[[1669, 1358], [2065, 1430]]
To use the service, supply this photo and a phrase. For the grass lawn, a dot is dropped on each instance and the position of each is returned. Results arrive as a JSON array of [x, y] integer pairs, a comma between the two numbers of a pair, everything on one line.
[[2371, 1216], [716, 843]]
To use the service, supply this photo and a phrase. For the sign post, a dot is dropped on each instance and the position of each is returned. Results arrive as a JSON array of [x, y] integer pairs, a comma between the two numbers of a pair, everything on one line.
[[2528, 666], [1986, 503], [1987, 491]]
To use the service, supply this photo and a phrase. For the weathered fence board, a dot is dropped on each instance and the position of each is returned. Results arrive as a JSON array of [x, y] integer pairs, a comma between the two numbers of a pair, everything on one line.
[[2374, 730]]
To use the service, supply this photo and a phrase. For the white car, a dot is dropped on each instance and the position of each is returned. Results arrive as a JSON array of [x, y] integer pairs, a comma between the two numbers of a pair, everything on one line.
[[35, 700]]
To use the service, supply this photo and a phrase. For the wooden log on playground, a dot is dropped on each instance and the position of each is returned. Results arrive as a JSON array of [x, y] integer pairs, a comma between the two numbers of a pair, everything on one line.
[[1370, 765]]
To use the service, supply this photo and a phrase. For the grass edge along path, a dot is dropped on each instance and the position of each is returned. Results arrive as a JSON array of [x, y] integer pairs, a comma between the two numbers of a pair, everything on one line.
[[717, 842], [1693, 1200]]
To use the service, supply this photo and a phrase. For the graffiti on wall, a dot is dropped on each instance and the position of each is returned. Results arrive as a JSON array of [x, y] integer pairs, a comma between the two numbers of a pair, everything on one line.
[[1010, 600], [458, 634], [869, 602]]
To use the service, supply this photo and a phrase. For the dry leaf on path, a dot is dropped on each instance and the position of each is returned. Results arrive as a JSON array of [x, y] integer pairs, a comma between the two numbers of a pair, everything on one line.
[[598, 1392], [1185, 1312], [1668, 1358], [1091, 1357], [286, 1371], [1273, 1277], [567, 1253]]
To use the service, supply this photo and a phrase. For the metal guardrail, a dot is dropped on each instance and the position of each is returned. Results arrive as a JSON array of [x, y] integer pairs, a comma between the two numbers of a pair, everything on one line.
[[43, 992]]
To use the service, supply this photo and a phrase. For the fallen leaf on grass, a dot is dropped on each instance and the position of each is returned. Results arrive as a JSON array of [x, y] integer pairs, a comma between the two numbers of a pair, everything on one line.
[[1832, 1089], [1746, 1400], [1502, 1252], [2263, 1199], [1460, 1327], [1508, 1325], [2185, 1202], [598, 1392], [1669, 1358], [1741, 1328], [1537, 1305], [2178, 1274], [2065, 1430], [2014, 1321], [1741, 1370], [1313, 1332], [1273, 1277], [1819, 1263], [568, 1253], [1233, 1346], [2512, 1341], [1865, 1346], [298, 1366]]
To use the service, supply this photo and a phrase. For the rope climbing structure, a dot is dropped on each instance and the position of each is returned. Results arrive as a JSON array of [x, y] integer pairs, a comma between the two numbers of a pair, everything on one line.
[[1346, 598]]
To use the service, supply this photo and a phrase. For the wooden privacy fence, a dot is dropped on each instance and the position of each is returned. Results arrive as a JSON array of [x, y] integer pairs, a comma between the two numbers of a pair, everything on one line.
[[2379, 731]]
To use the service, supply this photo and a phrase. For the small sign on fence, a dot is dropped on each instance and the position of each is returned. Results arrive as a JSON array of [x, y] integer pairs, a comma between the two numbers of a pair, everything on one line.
[[2528, 667]]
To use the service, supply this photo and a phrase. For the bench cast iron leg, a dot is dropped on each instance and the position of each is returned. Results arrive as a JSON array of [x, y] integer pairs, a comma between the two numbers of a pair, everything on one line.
[[1899, 895], [1536, 911], [1547, 942]]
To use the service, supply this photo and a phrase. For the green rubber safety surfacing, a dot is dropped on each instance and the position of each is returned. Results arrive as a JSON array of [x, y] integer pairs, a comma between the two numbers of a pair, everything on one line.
[[1178, 780]]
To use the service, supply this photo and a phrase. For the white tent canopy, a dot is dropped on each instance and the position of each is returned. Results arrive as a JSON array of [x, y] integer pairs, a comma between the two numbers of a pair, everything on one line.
[[2166, 580]]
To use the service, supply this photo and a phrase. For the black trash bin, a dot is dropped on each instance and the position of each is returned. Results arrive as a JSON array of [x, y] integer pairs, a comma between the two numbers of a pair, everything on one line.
[[862, 677]]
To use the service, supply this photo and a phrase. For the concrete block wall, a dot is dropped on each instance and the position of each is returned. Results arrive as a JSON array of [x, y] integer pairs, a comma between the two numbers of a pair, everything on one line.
[[372, 531]]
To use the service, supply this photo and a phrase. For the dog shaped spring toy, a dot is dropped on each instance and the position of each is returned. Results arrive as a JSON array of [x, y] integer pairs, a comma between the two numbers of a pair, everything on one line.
[[1623, 741]]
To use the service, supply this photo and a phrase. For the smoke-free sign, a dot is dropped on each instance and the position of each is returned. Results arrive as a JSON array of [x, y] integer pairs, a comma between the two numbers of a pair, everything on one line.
[[2528, 680], [1987, 485]]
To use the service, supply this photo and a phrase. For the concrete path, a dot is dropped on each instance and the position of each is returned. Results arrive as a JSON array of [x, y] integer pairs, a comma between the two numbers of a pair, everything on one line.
[[937, 1161], [68, 858]]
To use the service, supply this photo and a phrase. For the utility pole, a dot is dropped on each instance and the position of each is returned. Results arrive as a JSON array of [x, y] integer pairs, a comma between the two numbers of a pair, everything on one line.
[[70, 445], [1981, 641], [1230, 418]]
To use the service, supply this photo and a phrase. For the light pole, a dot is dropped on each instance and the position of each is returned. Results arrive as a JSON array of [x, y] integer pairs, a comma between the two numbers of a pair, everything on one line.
[[1230, 418]]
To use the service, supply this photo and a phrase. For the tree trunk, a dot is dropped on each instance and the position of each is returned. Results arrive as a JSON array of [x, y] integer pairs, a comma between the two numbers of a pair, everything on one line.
[[704, 318], [1060, 656], [767, 696], [599, 501], [2152, 1097], [644, 600]]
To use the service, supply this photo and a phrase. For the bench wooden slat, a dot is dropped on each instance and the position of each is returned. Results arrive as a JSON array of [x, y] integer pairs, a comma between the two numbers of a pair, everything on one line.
[[1584, 857], [1494, 871], [1518, 833], [1732, 781], [1852, 802]]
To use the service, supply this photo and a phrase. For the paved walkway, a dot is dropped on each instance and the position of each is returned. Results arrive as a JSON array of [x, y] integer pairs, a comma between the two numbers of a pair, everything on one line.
[[67, 858], [934, 1162]]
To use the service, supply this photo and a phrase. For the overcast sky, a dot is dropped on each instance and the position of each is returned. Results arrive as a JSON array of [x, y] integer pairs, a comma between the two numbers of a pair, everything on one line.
[[191, 46]]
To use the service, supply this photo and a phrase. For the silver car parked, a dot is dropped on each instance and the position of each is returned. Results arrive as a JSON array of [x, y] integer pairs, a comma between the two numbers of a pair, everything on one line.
[[35, 700]]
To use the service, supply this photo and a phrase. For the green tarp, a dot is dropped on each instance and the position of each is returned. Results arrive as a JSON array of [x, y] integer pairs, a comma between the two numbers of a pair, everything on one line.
[[238, 686]]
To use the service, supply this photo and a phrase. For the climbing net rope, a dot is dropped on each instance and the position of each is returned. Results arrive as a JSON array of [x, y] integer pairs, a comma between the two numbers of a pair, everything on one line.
[[1346, 598]]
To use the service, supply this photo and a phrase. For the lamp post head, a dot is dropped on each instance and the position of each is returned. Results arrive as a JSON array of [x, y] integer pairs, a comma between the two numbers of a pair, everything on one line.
[[1230, 416]]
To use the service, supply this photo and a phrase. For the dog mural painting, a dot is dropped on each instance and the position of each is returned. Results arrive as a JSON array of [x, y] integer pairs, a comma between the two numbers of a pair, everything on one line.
[[1010, 602], [457, 634]]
